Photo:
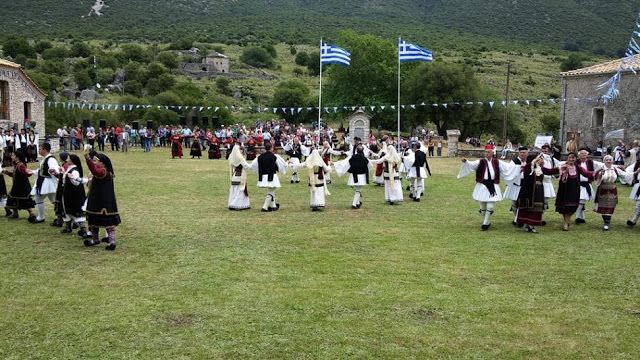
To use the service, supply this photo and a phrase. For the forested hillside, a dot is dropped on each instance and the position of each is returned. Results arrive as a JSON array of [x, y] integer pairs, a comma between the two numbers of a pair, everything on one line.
[[594, 26]]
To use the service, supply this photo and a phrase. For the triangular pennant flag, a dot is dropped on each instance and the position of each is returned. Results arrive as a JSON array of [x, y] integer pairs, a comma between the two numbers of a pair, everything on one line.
[[216, 109], [274, 110], [299, 110], [326, 110], [382, 107], [445, 105], [55, 104], [469, 102], [504, 103], [130, 107], [576, 100], [422, 104], [353, 108], [48, 103], [393, 107], [373, 108], [515, 102], [480, 103], [117, 106], [309, 109], [90, 106], [434, 105], [526, 102], [179, 107], [553, 101], [402, 106], [335, 109], [344, 107], [491, 103], [412, 106]]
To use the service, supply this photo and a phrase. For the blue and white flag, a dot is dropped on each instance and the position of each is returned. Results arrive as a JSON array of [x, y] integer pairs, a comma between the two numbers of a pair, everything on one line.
[[331, 54], [412, 52]]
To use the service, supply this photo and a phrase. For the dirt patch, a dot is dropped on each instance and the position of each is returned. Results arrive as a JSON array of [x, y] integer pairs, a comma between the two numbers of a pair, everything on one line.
[[425, 315], [180, 320]]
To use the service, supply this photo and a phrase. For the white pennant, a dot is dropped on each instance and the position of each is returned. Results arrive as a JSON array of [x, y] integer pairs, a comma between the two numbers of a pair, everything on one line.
[[382, 107], [491, 103], [445, 105]]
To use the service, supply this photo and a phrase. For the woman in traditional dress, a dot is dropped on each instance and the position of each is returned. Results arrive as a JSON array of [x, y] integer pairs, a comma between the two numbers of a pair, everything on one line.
[[568, 196], [214, 148], [3, 193], [530, 203], [238, 194], [19, 198], [73, 195], [196, 148], [32, 147], [392, 181], [176, 146], [607, 192], [102, 207], [317, 179]]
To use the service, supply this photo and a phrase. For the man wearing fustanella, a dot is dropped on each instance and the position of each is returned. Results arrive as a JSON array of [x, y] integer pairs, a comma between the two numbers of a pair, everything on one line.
[[267, 165], [417, 168], [513, 190], [488, 171], [358, 167], [46, 181], [586, 190]]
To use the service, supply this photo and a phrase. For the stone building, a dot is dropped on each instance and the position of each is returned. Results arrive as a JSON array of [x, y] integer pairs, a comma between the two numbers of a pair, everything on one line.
[[21, 101], [360, 125], [217, 61], [587, 118]]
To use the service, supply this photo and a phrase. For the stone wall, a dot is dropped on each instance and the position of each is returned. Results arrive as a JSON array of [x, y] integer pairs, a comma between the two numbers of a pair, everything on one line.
[[621, 114], [21, 90]]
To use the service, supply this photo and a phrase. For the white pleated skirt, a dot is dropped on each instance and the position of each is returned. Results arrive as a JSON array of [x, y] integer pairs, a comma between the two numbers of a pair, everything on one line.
[[481, 193], [393, 195], [237, 199]]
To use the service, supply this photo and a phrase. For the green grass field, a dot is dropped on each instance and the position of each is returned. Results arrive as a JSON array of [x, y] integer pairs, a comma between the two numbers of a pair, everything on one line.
[[193, 280]]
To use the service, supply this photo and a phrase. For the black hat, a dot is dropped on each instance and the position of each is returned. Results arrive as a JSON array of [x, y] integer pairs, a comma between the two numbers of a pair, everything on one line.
[[523, 148], [76, 161], [106, 161], [63, 156], [545, 146]]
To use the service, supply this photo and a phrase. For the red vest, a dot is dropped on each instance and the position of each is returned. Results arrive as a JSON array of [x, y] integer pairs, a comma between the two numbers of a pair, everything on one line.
[[482, 167]]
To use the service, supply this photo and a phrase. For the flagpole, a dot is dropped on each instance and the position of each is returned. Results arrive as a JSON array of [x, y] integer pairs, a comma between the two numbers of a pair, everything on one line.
[[320, 92], [398, 93]]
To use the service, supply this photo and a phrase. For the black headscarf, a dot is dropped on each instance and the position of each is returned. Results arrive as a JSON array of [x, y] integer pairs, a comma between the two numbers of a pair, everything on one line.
[[63, 156], [106, 161], [76, 161], [19, 153]]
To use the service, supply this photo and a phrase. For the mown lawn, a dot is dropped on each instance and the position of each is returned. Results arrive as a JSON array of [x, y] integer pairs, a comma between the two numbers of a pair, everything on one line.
[[193, 280]]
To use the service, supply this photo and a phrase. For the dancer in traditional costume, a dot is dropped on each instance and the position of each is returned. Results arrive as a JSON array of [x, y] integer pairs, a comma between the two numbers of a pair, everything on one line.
[[586, 190], [196, 148], [46, 181], [568, 198], [214, 148], [73, 196], [3, 192], [550, 162], [392, 181], [417, 168], [250, 149], [19, 198], [294, 150], [488, 171], [530, 204], [633, 178], [513, 190], [317, 181], [325, 152], [238, 194], [58, 209], [267, 166], [176, 146], [102, 207], [358, 167], [378, 179], [607, 192], [32, 147]]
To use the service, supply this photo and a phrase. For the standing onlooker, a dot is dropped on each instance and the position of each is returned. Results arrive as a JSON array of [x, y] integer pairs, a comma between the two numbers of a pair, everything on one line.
[[430, 146], [125, 135], [439, 147], [618, 153]]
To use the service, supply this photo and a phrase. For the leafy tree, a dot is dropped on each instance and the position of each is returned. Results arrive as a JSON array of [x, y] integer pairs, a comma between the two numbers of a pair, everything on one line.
[[189, 93], [313, 63], [291, 93], [54, 67], [135, 71], [574, 61], [222, 83], [168, 59], [82, 79], [167, 98], [371, 79], [293, 50], [297, 72], [15, 45], [42, 45], [107, 60], [550, 123], [161, 116], [160, 84], [105, 76], [133, 87], [55, 53], [155, 69], [258, 57], [271, 50], [45, 82], [31, 64], [302, 58], [80, 49], [184, 43], [134, 52]]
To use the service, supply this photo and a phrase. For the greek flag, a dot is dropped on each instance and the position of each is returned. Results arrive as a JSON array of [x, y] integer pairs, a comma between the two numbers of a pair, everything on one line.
[[331, 54], [412, 52]]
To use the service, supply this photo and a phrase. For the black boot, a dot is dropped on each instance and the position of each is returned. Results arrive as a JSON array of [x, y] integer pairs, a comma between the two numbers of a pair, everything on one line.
[[67, 228]]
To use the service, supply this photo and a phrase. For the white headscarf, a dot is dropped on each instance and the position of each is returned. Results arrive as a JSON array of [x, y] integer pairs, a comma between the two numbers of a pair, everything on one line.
[[236, 157], [392, 158], [315, 160]]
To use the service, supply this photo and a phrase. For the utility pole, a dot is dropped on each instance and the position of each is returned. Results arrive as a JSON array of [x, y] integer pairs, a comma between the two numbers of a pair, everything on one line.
[[506, 107]]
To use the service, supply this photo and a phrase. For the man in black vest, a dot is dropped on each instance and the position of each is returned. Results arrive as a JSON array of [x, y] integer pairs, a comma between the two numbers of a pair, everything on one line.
[[417, 169], [267, 166], [295, 151], [513, 190], [46, 182], [359, 168]]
